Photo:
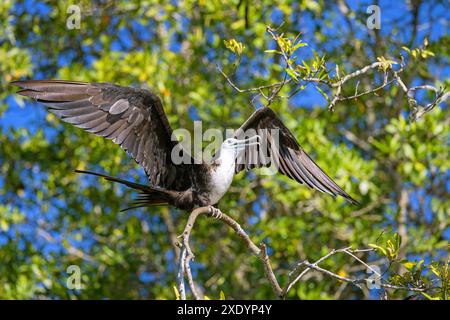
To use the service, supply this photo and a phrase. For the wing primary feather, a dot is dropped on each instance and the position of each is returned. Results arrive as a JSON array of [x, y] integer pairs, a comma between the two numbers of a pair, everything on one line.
[[84, 118], [289, 158], [84, 103], [72, 111], [315, 184]]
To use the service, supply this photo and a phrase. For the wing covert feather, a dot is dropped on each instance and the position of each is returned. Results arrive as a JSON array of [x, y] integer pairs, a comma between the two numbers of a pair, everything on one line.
[[132, 118]]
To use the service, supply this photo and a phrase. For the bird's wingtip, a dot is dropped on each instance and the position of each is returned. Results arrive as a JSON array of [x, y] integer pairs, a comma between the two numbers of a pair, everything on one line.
[[19, 83], [24, 86], [353, 201]]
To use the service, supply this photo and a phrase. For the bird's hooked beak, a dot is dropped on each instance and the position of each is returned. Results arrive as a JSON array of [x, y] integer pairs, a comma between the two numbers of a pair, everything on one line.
[[252, 141]]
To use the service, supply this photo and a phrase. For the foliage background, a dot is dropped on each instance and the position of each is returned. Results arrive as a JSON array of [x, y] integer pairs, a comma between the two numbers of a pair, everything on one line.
[[51, 218]]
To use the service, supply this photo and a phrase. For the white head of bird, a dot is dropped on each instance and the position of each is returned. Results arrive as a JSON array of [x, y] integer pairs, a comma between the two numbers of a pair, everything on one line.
[[233, 147]]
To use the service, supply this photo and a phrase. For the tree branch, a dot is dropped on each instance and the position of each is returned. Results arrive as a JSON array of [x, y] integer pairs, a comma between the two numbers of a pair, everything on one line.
[[185, 259], [298, 272], [335, 86]]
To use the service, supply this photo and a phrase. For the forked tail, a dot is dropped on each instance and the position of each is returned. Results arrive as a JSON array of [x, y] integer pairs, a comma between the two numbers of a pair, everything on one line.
[[150, 196]]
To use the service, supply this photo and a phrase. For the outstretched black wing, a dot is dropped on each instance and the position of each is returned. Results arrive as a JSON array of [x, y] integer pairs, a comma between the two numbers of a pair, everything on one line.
[[280, 149], [132, 118]]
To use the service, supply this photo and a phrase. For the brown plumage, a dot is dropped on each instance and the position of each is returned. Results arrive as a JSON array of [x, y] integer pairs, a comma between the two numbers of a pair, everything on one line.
[[120, 114], [135, 120], [287, 155]]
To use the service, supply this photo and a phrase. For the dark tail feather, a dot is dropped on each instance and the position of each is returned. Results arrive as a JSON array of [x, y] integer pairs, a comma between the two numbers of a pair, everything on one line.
[[150, 196], [147, 200], [130, 184], [135, 205]]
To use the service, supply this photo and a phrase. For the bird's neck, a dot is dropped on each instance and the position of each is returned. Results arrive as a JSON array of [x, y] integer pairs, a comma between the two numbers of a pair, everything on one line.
[[222, 174], [226, 159], [224, 166]]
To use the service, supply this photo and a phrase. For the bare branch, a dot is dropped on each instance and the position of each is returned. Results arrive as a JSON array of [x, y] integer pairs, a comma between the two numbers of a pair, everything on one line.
[[269, 272], [298, 272], [335, 88], [180, 275], [256, 89], [186, 253], [260, 252]]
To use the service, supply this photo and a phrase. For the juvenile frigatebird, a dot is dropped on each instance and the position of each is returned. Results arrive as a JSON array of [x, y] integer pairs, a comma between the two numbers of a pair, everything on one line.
[[135, 120]]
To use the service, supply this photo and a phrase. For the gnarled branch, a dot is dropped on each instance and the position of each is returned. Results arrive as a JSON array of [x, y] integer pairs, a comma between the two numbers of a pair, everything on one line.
[[295, 275], [334, 87]]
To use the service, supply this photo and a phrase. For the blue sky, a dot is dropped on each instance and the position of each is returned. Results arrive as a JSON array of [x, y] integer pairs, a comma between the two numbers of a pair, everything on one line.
[[31, 116]]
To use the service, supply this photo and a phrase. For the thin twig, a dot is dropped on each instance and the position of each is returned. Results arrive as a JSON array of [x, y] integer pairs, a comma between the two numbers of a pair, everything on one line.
[[297, 273], [260, 252], [180, 275], [255, 89], [336, 87]]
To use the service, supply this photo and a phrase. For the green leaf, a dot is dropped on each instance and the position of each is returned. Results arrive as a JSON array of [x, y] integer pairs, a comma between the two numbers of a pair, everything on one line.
[[291, 73], [272, 51], [234, 46], [308, 69], [177, 293], [386, 64], [323, 93], [379, 249], [409, 265], [299, 45], [4, 225], [426, 295], [435, 270]]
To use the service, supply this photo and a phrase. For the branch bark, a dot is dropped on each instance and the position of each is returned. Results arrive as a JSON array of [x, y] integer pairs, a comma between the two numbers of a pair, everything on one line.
[[335, 86], [295, 275], [187, 254]]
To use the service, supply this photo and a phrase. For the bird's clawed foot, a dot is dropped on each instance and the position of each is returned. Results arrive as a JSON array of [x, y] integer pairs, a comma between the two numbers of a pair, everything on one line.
[[215, 213]]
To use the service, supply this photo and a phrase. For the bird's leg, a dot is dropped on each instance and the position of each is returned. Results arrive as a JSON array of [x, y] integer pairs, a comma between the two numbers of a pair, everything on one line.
[[215, 212]]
